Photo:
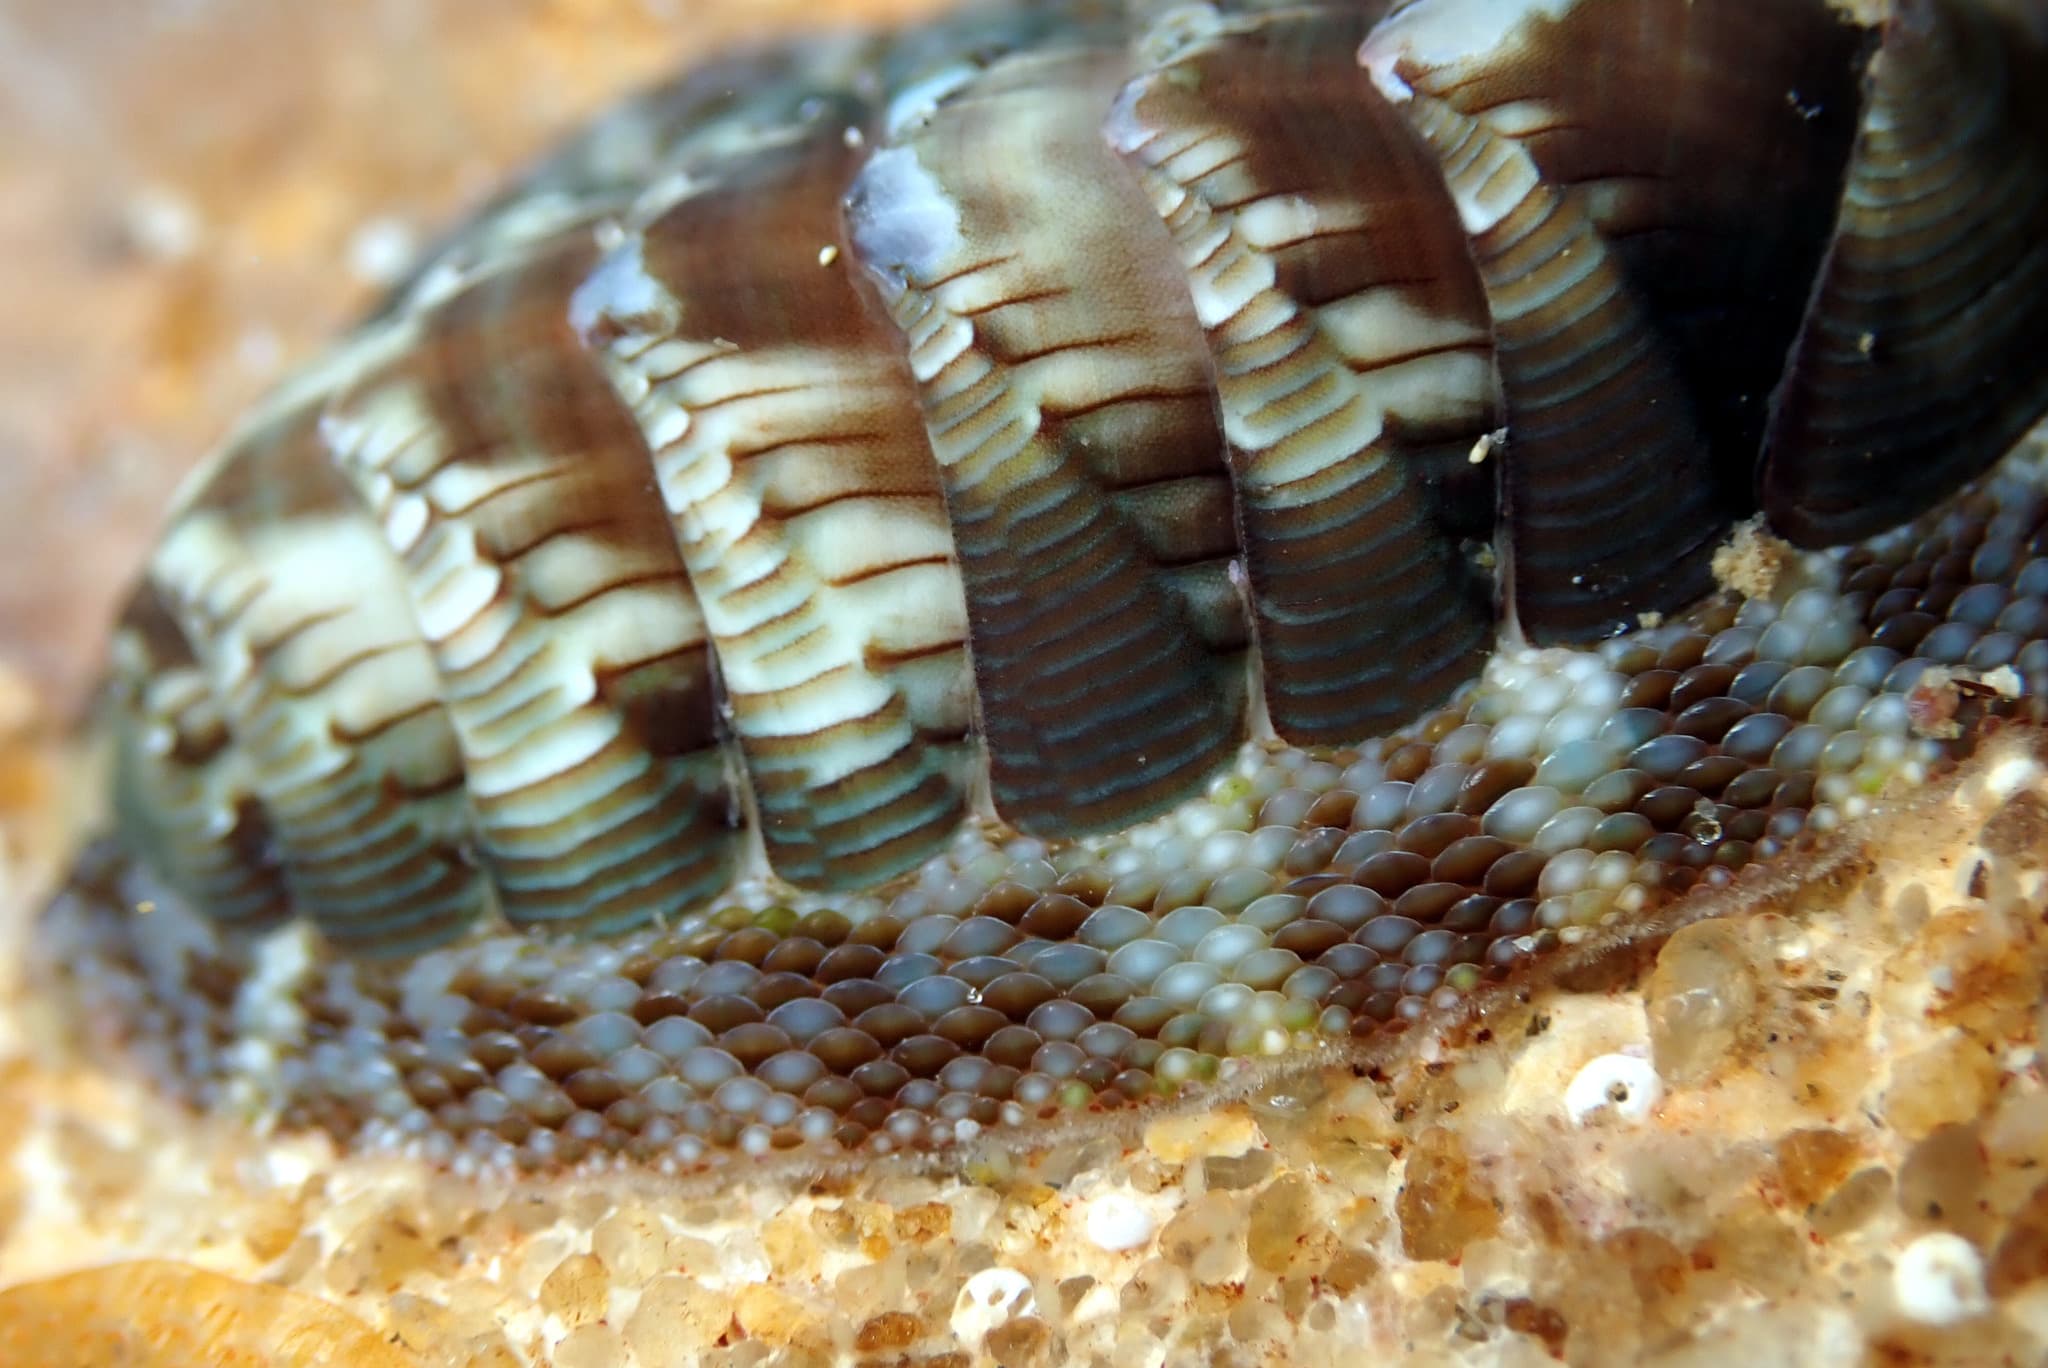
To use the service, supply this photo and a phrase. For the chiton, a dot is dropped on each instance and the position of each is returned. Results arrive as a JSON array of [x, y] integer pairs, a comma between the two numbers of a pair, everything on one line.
[[906, 584]]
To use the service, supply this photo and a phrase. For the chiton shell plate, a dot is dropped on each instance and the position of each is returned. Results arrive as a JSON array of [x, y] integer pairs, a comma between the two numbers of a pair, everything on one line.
[[906, 584]]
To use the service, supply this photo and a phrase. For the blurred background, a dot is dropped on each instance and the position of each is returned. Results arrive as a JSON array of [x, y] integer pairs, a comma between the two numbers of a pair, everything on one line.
[[194, 193]]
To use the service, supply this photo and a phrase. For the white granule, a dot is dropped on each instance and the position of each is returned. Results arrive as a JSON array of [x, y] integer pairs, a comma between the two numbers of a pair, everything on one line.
[[989, 1298], [1623, 1086], [1114, 1221], [1939, 1280]]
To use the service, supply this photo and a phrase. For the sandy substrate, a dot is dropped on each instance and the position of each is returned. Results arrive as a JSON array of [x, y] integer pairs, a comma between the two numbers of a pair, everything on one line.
[[1808, 1128], [1812, 1130]]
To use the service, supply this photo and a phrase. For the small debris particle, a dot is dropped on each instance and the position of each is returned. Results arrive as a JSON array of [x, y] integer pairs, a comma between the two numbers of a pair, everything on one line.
[[1704, 823], [1751, 560], [2004, 681]]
